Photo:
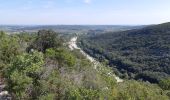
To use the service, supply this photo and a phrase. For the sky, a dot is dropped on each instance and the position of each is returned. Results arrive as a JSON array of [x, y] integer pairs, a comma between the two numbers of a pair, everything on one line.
[[84, 12]]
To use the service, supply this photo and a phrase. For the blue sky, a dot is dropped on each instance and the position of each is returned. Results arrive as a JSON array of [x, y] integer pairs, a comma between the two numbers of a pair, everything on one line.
[[93, 12]]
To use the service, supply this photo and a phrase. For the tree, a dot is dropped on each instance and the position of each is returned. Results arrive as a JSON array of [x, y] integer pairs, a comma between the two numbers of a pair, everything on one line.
[[46, 39], [23, 74], [165, 84], [62, 56]]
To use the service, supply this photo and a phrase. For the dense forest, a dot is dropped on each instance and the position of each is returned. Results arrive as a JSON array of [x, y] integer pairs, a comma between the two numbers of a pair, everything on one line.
[[141, 54], [40, 66]]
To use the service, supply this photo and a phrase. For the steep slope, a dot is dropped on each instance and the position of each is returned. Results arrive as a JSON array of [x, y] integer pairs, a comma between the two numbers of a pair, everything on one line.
[[49, 71], [139, 54]]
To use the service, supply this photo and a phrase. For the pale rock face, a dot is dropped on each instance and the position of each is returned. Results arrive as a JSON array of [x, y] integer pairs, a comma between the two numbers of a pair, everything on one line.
[[4, 93], [72, 43]]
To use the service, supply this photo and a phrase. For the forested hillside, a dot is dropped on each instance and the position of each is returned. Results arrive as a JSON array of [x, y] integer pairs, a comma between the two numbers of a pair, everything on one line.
[[40, 66], [142, 54]]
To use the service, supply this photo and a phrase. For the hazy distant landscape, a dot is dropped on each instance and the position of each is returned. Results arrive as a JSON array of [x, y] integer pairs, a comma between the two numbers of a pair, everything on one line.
[[84, 50], [66, 28]]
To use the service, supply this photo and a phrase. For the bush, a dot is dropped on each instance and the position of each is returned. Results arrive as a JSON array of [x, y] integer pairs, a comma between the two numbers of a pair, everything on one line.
[[165, 84], [23, 74], [46, 39]]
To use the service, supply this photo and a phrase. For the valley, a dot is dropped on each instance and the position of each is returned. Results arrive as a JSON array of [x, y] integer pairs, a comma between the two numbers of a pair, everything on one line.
[[73, 45], [50, 65], [84, 50]]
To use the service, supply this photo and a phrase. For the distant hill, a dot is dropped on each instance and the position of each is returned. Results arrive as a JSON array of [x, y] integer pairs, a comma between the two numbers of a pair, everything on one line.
[[66, 28], [138, 54]]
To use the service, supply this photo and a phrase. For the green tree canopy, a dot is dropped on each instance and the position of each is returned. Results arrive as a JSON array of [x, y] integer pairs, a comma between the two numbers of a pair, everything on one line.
[[23, 74], [46, 39]]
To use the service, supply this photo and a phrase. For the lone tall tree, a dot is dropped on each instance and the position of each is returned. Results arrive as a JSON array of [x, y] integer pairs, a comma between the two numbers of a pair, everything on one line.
[[46, 39]]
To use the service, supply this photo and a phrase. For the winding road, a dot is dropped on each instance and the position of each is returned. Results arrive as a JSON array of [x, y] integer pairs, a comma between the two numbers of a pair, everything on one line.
[[73, 45]]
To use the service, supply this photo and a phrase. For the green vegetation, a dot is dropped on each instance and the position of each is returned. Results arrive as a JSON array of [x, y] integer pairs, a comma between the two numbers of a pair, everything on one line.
[[23, 74], [39, 68], [46, 39], [132, 90], [9, 48], [165, 84], [135, 54]]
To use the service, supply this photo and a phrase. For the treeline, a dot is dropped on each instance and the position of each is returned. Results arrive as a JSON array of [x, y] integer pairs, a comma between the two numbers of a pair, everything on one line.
[[41, 67]]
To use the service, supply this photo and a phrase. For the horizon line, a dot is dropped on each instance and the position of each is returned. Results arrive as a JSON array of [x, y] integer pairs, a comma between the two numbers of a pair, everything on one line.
[[75, 24]]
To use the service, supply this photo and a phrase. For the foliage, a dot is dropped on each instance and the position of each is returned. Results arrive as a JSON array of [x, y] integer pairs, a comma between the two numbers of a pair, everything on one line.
[[46, 39], [23, 74], [140, 53], [9, 48], [165, 84], [62, 56], [56, 73], [133, 90]]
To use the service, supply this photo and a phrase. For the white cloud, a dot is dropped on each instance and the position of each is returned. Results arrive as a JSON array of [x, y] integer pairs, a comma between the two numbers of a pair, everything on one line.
[[87, 1]]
